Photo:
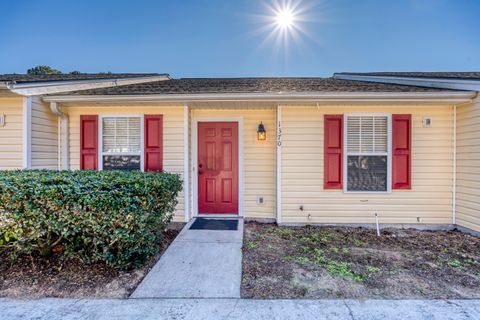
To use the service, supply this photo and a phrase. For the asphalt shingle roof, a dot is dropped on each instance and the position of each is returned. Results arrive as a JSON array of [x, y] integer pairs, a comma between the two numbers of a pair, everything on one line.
[[251, 85], [27, 78], [475, 75]]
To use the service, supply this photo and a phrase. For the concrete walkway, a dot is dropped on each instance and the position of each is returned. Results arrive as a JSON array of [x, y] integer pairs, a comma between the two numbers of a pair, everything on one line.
[[198, 264], [68, 309]]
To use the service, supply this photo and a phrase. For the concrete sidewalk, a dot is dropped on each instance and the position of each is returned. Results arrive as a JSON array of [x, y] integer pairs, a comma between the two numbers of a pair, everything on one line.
[[69, 309], [198, 264]]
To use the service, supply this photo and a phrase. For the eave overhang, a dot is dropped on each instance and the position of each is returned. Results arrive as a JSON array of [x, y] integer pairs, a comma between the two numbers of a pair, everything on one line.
[[442, 83], [53, 87], [447, 97]]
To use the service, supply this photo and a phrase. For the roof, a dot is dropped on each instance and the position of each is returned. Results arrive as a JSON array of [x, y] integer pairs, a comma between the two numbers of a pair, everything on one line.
[[27, 78], [251, 85], [474, 75]]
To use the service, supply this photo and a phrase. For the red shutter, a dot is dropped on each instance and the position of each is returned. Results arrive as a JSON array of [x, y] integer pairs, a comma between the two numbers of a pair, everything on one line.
[[401, 151], [88, 142], [153, 142], [333, 150]]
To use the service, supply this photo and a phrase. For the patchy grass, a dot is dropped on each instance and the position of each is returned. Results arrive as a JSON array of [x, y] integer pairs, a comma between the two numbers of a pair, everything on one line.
[[327, 262], [342, 269], [372, 269], [455, 263], [252, 245]]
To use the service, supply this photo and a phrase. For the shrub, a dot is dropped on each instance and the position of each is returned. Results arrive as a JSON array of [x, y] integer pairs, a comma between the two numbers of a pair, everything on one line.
[[113, 216]]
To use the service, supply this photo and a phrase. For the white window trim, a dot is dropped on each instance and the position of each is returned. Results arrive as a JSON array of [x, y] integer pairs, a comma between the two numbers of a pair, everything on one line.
[[389, 150], [100, 137], [194, 159]]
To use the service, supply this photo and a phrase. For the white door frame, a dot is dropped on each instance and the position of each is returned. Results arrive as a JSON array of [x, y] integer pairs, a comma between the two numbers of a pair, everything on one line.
[[194, 170]]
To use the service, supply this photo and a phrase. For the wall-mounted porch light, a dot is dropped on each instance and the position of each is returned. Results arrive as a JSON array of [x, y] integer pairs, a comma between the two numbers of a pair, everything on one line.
[[261, 133]]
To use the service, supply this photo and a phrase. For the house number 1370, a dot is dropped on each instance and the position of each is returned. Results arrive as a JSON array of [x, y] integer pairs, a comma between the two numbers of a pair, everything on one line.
[[279, 134]]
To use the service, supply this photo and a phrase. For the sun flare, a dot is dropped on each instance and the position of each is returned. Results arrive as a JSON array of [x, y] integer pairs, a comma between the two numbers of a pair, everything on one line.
[[285, 18], [287, 24]]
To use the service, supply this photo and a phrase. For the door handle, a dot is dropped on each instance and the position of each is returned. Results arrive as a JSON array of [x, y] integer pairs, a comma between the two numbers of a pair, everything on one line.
[[200, 168]]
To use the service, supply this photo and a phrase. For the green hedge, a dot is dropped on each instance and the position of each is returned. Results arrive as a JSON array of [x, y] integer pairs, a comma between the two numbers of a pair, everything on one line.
[[113, 216]]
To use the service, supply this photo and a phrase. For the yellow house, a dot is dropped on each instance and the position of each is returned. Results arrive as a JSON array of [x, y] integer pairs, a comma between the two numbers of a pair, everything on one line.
[[400, 148]]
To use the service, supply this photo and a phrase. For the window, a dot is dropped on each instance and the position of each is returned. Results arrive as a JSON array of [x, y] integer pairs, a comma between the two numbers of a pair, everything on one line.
[[367, 153], [121, 143]]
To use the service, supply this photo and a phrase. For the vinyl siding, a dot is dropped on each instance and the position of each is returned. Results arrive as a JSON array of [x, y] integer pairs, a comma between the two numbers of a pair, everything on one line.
[[44, 136], [11, 135], [429, 200], [468, 166], [172, 136], [258, 158]]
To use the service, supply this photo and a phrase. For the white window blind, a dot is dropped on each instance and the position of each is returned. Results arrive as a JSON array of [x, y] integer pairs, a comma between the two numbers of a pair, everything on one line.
[[367, 135], [121, 135], [367, 158]]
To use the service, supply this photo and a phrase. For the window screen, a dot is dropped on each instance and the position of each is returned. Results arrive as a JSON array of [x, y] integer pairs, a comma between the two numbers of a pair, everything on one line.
[[121, 137], [367, 153]]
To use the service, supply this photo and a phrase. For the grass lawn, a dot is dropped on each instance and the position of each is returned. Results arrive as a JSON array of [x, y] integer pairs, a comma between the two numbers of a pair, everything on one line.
[[37, 277], [334, 262]]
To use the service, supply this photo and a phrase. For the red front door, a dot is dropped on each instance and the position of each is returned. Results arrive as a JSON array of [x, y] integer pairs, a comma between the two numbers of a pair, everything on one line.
[[218, 167]]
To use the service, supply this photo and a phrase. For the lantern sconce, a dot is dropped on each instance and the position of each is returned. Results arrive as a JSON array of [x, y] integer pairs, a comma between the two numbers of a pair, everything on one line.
[[261, 133]]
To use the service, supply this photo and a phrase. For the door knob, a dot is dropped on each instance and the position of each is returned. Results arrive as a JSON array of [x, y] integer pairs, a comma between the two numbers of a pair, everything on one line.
[[200, 168]]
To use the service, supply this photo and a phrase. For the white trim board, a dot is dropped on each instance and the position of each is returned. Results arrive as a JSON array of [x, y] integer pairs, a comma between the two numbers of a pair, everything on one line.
[[278, 144], [186, 161], [194, 170]]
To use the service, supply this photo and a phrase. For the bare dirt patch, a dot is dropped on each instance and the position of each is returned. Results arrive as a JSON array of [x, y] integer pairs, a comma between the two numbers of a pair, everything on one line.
[[331, 262], [37, 277]]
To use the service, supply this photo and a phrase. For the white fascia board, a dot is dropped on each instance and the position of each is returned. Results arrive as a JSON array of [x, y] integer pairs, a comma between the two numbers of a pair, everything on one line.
[[441, 97], [52, 87], [441, 83]]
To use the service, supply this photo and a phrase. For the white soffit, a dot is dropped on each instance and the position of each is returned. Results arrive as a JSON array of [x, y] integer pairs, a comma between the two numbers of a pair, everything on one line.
[[442, 83], [52, 87]]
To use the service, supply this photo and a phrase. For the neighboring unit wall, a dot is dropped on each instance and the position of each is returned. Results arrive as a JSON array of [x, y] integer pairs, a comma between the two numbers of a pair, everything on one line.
[[429, 201], [259, 158], [44, 136], [468, 166], [11, 135], [172, 136]]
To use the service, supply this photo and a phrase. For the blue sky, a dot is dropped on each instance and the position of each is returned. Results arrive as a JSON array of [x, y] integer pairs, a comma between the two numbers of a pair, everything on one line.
[[232, 38]]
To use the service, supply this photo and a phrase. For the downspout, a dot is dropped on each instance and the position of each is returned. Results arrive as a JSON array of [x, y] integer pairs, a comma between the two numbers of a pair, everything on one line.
[[27, 133], [63, 133], [454, 189]]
